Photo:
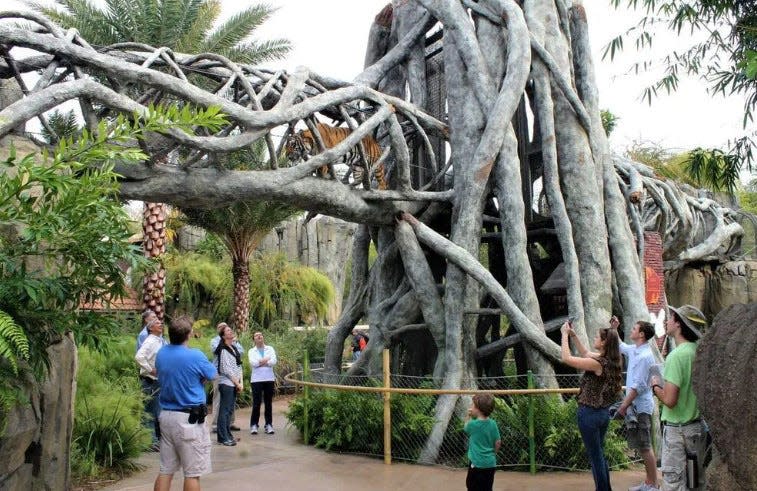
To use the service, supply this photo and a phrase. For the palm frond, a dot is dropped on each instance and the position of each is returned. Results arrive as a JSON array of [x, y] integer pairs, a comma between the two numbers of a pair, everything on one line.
[[193, 34], [238, 28], [91, 22], [256, 52], [175, 18]]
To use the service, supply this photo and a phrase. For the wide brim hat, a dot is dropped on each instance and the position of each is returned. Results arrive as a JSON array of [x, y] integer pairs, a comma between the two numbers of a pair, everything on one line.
[[693, 318]]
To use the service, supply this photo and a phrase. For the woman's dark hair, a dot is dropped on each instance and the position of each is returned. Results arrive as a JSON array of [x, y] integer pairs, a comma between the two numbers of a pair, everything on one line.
[[179, 330], [611, 352]]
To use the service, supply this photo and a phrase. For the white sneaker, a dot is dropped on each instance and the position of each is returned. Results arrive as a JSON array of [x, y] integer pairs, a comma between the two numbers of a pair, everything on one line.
[[254, 430], [269, 430], [643, 487]]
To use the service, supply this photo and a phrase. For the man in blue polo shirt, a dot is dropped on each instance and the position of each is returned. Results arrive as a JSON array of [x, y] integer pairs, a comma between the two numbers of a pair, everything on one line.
[[184, 440]]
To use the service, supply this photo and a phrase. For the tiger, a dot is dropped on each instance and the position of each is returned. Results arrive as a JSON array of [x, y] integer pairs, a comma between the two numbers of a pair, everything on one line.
[[301, 146]]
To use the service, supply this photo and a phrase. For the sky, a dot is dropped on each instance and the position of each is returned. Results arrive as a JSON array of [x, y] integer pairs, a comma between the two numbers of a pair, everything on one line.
[[329, 37]]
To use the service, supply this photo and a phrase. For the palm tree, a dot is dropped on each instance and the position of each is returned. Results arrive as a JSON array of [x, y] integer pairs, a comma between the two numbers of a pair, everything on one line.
[[184, 26], [241, 227]]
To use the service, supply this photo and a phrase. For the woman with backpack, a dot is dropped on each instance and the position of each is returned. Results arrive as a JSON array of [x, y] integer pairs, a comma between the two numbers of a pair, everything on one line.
[[228, 361]]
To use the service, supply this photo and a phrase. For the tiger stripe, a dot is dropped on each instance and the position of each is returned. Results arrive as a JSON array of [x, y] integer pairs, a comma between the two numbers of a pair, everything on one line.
[[301, 145]]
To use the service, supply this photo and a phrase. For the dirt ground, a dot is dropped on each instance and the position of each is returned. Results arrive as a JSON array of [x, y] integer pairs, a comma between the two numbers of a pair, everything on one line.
[[281, 461]]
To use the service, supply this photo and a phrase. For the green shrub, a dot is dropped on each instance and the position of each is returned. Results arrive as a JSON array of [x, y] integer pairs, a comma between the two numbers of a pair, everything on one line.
[[108, 434], [353, 421], [341, 420], [556, 436]]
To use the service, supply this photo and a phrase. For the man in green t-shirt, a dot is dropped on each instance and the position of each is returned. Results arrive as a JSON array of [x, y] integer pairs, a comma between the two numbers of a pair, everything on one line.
[[683, 435]]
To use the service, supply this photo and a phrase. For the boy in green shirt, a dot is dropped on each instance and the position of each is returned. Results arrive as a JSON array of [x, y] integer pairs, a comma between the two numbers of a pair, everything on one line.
[[483, 444]]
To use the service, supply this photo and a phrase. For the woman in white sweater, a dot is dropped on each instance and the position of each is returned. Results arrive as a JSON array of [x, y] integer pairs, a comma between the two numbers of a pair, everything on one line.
[[262, 361], [228, 362]]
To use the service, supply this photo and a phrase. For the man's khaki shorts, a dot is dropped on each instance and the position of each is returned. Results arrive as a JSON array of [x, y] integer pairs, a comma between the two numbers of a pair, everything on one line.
[[183, 445], [639, 434]]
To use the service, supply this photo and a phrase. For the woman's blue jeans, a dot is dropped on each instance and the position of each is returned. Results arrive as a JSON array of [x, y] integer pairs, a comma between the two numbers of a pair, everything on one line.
[[225, 408], [592, 423]]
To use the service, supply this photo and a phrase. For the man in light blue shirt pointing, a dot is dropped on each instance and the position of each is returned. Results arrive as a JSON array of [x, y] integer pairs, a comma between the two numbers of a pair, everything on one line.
[[638, 404]]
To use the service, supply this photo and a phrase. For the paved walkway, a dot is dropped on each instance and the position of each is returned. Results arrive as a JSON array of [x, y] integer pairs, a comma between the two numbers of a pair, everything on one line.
[[282, 462]]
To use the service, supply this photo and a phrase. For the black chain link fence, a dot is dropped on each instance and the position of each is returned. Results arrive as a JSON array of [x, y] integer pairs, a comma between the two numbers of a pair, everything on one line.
[[539, 431]]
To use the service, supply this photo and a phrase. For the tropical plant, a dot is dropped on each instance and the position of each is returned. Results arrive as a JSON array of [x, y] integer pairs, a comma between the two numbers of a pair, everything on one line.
[[663, 161], [200, 284], [194, 281], [724, 56], [184, 26], [241, 227], [64, 239], [107, 435], [748, 197], [61, 125]]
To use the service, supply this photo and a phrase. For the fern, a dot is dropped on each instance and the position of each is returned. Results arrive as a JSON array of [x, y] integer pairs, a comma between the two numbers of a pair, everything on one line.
[[14, 344]]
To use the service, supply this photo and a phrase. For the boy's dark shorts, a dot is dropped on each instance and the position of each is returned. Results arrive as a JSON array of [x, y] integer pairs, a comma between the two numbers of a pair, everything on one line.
[[639, 434]]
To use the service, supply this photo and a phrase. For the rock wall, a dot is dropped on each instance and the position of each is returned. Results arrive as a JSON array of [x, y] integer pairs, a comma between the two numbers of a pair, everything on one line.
[[324, 243], [724, 373], [35, 447], [712, 288]]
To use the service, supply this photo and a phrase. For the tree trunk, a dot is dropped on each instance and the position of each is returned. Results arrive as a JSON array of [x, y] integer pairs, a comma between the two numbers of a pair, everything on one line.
[[154, 246], [241, 272]]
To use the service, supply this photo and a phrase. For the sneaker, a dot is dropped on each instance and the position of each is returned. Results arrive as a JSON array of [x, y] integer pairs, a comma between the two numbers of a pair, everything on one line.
[[155, 447], [643, 487], [235, 428], [269, 430], [254, 430], [229, 443]]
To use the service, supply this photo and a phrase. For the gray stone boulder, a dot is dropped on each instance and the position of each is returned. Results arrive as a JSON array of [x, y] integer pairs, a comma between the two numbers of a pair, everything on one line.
[[36, 445], [712, 287], [724, 373]]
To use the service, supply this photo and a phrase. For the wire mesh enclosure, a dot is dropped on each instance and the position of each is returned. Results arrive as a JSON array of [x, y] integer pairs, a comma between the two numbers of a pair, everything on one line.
[[345, 413]]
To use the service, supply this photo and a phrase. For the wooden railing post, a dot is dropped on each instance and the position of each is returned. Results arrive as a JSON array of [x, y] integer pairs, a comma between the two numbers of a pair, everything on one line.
[[387, 410]]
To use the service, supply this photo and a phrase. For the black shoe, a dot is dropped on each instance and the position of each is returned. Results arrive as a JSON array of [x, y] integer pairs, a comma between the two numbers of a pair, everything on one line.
[[235, 428], [229, 443]]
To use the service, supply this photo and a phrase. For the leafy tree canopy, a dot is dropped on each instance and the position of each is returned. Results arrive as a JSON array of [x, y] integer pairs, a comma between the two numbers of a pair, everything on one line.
[[63, 238], [723, 53]]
